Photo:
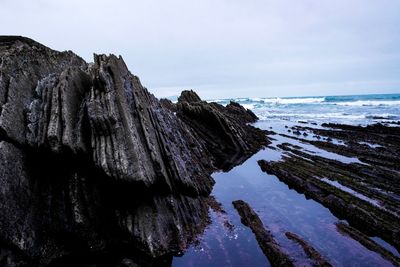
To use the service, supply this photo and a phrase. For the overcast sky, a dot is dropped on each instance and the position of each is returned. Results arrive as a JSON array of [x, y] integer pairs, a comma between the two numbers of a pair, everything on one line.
[[228, 48]]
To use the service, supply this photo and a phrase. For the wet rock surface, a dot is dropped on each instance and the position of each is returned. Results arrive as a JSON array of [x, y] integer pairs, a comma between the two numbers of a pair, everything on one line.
[[225, 130], [375, 144], [277, 255], [312, 253], [94, 170], [363, 191], [270, 247], [367, 242]]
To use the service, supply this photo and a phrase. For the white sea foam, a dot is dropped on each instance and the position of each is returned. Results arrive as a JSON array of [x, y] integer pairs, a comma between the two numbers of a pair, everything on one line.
[[217, 100], [334, 115], [360, 103], [240, 99], [310, 100], [288, 101], [277, 100], [257, 99], [264, 115], [249, 106], [321, 108]]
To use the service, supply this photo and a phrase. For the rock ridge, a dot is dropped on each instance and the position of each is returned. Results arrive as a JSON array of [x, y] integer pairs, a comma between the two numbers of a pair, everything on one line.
[[90, 161]]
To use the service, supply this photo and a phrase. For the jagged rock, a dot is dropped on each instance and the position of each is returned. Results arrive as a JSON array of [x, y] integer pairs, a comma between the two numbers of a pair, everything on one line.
[[224, 132], [189, 96], [238, 111], [56, 116], [134, 138], [22, 64], [94, 170], [168, 104]]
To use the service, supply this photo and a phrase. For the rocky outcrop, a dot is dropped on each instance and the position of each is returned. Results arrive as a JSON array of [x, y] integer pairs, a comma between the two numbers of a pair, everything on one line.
[[22, 66], [168, 104], [367, 242], [276, 254], [299, 174], [312, 253], [385, 141], [224, 130], [364, 191], [95, 170], [238, 111], [272, 250]]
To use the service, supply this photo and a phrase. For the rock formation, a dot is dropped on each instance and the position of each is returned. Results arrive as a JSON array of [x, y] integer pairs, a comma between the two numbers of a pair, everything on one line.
[[270, 247], [364, 193], [223, 129], [367, 242], [95, 170], [312, 253]]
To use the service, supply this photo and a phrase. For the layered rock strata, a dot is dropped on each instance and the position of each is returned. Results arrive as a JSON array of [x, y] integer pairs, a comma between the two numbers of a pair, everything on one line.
[[312, 253], [365, 192], [223, 129], [272, 250], [95, 170]]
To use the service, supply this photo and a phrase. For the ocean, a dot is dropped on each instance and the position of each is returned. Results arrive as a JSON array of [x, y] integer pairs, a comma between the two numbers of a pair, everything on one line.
[[352, 109]]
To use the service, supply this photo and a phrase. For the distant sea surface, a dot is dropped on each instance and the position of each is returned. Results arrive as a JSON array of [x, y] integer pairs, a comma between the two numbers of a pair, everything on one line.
[[353, 109]]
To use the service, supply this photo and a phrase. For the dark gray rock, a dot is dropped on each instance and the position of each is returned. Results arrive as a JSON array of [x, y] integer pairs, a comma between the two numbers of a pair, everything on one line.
[[239, 112], [226, 135], [22, 65], [94, 170], [56, 115], [168, 104], [272, 250], [189, 96], [312, 253]]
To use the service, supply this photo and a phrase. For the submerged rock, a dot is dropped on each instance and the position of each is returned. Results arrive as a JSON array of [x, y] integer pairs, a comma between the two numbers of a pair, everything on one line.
[[312, 253], [303, 176], [364, 190], [266, 241], [94, 170], [367, 242]]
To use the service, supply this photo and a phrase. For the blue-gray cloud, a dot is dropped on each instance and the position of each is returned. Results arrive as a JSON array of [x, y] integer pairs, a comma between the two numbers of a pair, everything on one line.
[[228, 48]]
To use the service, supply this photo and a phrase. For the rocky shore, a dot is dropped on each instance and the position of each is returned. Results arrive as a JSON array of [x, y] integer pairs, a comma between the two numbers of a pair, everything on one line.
[[94, 170], [276, 254], [267, 242], [363, 191]]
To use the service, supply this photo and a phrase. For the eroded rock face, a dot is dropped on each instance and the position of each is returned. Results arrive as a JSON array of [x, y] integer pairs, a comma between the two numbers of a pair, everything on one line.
[[22, 65], [224, 130], [95, 170]]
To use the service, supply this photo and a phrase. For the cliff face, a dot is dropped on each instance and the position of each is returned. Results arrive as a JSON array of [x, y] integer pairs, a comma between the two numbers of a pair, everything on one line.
[[94, 169]]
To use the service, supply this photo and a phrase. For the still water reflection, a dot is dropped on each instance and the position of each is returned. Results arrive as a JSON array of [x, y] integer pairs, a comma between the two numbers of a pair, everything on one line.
[[281, 210]]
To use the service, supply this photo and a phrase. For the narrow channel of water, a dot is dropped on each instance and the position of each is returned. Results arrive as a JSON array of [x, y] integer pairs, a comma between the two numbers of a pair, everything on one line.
[[281, 209]]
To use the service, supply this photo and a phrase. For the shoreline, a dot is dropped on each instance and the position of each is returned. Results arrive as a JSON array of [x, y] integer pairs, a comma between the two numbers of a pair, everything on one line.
[[318, 148], [95, 170]]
